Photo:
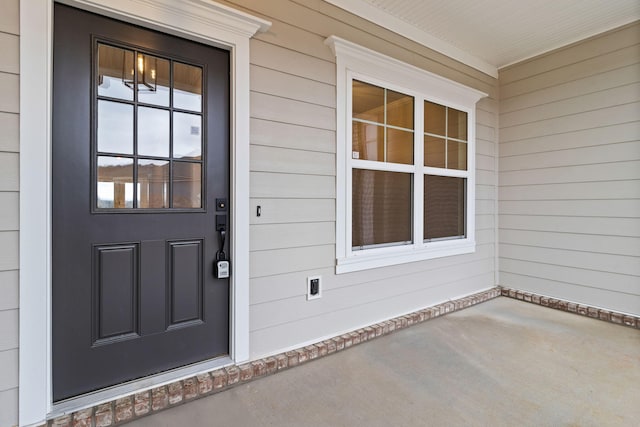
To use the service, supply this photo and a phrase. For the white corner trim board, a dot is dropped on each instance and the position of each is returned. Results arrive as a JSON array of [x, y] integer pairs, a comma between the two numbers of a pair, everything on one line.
[[356, 62], [202, 20]]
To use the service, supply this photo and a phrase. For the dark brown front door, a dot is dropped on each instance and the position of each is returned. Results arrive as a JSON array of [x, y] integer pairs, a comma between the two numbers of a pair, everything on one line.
[[140, 156]]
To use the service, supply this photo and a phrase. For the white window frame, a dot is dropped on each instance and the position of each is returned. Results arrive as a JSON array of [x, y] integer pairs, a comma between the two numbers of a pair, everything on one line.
[[360, 63], [204, 21]]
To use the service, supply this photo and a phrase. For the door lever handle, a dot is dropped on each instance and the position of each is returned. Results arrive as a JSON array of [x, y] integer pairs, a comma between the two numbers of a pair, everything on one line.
[[223, 235], [221, 264]]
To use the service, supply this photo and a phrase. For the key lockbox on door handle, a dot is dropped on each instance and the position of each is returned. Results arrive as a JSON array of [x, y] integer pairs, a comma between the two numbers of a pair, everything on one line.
[[221, 265]]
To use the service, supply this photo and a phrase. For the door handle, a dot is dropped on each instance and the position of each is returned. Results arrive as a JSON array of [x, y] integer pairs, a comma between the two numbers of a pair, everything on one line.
[[221, 264]]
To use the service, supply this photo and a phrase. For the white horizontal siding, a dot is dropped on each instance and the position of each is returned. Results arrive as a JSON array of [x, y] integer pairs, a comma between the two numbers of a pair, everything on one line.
[[485, 192], [624, 170], [282, 185], [571, 224], [285, 110], [9, 171], [296, 235], [9, 209], [293, 181], [613, 208], [10, 90], [266, 289], [9, 406], [286, 135], [563, 124], [595, 261], [621, 283], [8, 250], [569, 197], [10, 58], [486, 147], [484, 114], [600, 45], [280, 58], [485, 222], [617, 58], [10, 17], [273, 288], [608, 153], [8, 371], [279, 261], [596, 192], [485, 132], [605, 244], [291, 37], [484, 162], [286, 85], [358, 315], [274, 313], [283, 160], [9, 290], [9, 137], [485, 207], [288, 285], [8, 330], [624, 94], [596, 83], [485, 177], [290, 211], [612, 134]]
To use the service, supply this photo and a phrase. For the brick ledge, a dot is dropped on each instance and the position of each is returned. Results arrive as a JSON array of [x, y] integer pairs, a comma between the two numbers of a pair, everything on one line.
[[572, 307], [137, 405]]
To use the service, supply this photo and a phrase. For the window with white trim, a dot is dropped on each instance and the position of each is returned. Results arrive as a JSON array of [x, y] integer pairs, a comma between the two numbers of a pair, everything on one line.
[[406, 161]]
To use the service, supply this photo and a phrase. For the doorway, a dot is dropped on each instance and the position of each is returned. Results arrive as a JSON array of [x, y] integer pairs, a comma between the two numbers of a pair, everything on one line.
[[140, 191]]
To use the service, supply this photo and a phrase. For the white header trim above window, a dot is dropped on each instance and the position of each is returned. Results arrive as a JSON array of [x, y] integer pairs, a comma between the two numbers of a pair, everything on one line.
[[377, 65], [360, 63]]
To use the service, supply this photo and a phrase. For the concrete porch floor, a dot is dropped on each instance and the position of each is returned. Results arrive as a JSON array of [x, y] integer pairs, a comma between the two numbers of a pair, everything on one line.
[[500, 363]]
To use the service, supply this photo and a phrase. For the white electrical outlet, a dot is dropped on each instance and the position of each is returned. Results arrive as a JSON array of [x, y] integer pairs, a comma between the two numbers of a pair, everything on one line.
[[314, 287]]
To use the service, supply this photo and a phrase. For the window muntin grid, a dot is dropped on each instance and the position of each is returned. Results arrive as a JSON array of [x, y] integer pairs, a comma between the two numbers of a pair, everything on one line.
[[149, 131]]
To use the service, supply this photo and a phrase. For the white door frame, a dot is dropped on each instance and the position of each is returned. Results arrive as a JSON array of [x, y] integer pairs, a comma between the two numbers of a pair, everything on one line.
[[199, 20]]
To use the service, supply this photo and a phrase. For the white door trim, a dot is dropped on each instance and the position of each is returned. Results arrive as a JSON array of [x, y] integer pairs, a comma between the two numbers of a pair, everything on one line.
[[200, 20]]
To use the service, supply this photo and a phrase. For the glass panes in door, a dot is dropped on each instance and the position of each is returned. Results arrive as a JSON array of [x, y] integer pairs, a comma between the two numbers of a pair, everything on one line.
[[149, 136]]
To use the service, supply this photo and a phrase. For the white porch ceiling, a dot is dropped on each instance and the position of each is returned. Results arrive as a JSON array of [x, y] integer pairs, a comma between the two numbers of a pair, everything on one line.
[[491, 34]]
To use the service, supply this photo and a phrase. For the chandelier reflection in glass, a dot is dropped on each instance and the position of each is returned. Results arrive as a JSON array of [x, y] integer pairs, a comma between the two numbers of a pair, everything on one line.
[[145, 72]]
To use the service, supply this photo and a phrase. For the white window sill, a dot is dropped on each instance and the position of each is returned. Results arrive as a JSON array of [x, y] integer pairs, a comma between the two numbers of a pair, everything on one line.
[[383, 257]]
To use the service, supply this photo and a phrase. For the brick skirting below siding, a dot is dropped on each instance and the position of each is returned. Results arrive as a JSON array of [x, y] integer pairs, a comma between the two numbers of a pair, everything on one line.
[[572, 307]]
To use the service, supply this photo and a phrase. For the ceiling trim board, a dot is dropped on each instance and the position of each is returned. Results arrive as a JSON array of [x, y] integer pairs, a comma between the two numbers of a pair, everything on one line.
[[570, 42], [370, 13]]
